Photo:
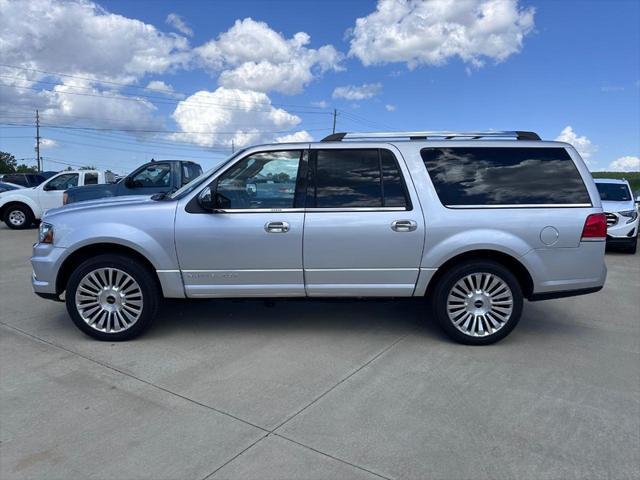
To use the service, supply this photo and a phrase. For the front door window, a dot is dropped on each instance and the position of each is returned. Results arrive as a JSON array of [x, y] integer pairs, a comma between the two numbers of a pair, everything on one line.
[[262, 180]]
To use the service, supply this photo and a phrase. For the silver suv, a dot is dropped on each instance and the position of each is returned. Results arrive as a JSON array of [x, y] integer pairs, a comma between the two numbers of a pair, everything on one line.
[[476, 222]]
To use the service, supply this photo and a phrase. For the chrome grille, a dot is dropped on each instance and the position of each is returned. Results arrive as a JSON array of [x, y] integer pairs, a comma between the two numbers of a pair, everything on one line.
[[611, 219]]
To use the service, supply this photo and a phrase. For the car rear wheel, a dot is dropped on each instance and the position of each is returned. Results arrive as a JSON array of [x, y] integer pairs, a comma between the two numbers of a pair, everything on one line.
[[112, 297], [478, 302], [18, 217]]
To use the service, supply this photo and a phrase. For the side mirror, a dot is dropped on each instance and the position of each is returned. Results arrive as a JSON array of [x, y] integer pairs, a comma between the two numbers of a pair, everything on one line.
[[48, 188], [211, 200]]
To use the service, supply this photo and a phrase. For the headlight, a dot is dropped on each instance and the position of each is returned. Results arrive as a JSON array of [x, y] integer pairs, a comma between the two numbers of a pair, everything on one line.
[[45, 234], [630, 214]]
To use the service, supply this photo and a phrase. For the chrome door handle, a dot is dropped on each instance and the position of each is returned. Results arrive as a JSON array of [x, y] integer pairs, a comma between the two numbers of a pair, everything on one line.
[[276, 227], [404, 226]]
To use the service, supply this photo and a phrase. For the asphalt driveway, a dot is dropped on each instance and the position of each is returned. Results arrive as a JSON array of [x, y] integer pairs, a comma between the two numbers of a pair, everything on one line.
[[316, 390]]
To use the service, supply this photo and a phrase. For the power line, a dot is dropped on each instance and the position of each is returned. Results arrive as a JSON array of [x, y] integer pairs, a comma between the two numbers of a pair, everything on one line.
[[107, 82], [156, 99], [72, 127]]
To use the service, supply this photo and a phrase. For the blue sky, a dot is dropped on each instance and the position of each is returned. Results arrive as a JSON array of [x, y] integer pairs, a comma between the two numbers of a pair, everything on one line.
[[568, 69]]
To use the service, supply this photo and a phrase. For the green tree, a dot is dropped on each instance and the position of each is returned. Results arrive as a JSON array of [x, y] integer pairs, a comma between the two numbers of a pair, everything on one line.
[[22, 168], [8, 163]]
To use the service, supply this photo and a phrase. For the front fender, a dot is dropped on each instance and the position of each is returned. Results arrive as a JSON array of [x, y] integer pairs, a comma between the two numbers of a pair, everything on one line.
[[157, 247], [21, 198]]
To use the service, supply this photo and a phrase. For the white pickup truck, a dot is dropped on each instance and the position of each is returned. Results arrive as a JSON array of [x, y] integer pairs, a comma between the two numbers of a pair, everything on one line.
[[21, 208]]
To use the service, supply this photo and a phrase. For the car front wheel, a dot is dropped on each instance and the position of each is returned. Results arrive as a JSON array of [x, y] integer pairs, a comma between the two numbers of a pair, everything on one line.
[[478, 302], [18, 217], [112, 297]]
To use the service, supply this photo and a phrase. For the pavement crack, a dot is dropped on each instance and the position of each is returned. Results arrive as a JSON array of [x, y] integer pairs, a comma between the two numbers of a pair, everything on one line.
[[129, 375], [331, 456], [236, 456], [319, 397]]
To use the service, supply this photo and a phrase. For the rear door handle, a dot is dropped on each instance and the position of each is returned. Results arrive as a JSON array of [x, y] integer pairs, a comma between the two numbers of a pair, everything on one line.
[[276, 227], [404, 226]]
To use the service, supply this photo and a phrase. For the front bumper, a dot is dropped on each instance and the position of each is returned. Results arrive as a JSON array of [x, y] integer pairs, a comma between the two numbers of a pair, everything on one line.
[[618, 228], [46, 261]]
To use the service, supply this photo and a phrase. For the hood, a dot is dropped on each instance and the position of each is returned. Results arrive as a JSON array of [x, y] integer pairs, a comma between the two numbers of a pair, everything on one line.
[[92, 191], [100, 204], [609, 206]]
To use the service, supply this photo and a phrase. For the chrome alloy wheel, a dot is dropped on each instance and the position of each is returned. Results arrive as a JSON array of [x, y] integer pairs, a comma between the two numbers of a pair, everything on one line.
[[17, 218], [480, 304], [109, 300]]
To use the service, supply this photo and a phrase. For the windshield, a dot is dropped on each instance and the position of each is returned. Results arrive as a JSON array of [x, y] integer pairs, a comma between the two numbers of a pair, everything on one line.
[[614, 192], [195, 183]]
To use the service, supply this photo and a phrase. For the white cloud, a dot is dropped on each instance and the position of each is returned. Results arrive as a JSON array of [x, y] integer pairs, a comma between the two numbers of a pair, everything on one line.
[[432, 31], [611, 88], [625, 164], [320, 104], [164, 88], [105, 108], [48, 143], [582, 144], [301, 136], [390, 108], [248, 118], [363, 92], [80, 38], [177, 22], [252, 56]]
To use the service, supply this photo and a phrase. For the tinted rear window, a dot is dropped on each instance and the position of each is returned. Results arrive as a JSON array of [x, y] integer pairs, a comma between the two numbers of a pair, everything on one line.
[[356, 178], [504, 176], [348, 178], [614, 192]]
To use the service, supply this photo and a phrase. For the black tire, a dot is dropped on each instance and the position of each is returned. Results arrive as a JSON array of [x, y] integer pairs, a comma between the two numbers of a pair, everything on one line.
[[458, 272], [632, 247], [16, 211], [148, 286]]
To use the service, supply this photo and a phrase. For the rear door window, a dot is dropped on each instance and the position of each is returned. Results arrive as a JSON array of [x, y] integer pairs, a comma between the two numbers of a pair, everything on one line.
[[90, 178], [189, 172], [355, 178], [503, 176]]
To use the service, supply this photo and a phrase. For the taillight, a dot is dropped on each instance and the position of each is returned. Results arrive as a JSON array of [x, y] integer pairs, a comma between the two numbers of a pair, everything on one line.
[[595, 227]]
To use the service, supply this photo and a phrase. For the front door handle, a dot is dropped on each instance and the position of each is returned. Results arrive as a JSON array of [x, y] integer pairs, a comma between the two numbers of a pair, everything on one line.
[[404, 226], [276, 227]]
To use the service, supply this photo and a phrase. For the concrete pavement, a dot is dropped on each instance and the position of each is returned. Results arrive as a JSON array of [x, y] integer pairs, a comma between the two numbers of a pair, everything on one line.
[[316, 390]]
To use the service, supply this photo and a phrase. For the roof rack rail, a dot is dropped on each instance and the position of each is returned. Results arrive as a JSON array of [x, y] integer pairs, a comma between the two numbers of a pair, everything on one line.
[[517, 134]]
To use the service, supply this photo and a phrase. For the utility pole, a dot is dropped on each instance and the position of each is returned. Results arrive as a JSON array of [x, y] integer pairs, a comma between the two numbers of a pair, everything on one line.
[[38, 140], [233, 148], [335, 114]]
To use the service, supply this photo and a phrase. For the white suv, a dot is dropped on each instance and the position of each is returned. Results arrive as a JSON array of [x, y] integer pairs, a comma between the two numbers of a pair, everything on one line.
[[21, 208], [621, 212]]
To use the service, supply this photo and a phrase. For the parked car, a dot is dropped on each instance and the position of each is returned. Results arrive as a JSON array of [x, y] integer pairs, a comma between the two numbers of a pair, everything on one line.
[[621, 212], [151, 178], [24, 179], [21, 208], [472, 221], [6, 186]]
